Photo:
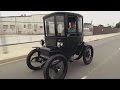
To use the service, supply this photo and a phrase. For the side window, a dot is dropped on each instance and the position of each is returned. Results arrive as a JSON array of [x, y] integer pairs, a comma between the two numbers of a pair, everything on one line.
[[60, 25], [49, 26], [72, 24], [80, 25]]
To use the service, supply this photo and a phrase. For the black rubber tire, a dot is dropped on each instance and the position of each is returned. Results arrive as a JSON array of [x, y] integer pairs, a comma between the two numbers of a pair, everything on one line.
[[49, 62], [86, 62], [28, 61]]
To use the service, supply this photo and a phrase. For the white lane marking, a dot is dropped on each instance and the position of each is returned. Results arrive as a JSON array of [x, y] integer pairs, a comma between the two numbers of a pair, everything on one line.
[[114, 53], [84, 77], [12, 61]]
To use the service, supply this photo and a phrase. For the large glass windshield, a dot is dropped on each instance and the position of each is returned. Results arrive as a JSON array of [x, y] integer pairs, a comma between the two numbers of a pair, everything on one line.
[[50, 26], [60, 25]]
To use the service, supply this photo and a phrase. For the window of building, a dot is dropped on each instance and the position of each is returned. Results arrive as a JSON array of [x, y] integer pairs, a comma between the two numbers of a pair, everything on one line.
[[24, 26], [12, 26], [5, 26], [41, 26], [4, 30], [35, 26], [29, 26], [35, 30]]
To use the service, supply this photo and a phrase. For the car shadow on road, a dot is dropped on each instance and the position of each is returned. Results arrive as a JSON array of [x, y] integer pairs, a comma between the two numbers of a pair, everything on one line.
[[36, 74], [74, 68]]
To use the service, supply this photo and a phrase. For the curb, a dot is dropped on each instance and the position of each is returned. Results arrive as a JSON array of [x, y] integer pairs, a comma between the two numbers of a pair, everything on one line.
[[24, 56], [18, 43], [12, 59]]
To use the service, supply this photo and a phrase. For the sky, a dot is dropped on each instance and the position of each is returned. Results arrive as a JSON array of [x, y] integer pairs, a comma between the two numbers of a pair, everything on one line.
[[97, 17]]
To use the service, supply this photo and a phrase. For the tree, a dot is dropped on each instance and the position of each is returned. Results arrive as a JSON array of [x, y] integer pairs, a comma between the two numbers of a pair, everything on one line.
[[118, 25]]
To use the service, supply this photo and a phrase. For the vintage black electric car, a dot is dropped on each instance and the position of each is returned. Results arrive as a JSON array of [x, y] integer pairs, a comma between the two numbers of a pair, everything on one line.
[[63, 43]]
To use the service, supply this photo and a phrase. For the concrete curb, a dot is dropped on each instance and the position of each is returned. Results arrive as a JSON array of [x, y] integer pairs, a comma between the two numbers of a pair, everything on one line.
[[24, 56], [18, 43], [12, 59]]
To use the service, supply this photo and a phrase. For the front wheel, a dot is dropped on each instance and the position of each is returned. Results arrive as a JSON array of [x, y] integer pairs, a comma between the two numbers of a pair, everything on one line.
[[34, 61], [56, 67], [88, 54]]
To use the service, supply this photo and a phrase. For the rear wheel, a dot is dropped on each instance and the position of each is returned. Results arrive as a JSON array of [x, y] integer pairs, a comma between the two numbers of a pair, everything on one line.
[[88, 54], [56, 67], [34, 61]]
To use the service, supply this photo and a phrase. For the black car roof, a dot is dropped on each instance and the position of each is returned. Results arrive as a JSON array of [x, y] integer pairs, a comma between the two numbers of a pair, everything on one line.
[[68, 13]]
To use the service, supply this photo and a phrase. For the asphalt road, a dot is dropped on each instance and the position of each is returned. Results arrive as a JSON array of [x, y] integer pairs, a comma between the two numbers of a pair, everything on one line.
[[105, 64]]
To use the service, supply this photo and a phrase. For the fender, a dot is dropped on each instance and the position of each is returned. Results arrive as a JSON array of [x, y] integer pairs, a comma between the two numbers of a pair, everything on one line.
[[81, 49], [47, 52], [38, 49]]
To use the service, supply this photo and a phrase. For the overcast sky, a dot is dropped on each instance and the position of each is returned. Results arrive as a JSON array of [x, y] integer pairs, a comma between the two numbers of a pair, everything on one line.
[[97, 17]]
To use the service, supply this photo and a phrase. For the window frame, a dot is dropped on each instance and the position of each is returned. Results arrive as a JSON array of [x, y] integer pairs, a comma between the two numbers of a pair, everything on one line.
[[45, 29], [78, 30], [63, 24], [4, 27], [76, 21], [29, 26]]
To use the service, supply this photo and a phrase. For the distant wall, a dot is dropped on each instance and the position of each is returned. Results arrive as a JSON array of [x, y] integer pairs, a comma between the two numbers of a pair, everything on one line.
[[104, 30]]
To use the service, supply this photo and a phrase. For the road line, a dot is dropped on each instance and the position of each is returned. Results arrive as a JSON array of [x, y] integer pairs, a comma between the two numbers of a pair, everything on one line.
[[114, 53], [84, 77]]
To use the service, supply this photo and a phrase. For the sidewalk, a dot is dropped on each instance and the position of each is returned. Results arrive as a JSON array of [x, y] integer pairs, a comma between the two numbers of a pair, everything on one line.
[[22, 50], [16, 39]]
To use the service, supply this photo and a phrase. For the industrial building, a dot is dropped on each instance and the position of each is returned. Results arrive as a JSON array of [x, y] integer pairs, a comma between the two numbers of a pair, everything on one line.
[[33, 24], [23, 24]]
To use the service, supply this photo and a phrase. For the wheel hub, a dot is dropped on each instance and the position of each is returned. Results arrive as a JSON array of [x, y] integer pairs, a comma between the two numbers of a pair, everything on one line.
[[88, 54], [57, 69]]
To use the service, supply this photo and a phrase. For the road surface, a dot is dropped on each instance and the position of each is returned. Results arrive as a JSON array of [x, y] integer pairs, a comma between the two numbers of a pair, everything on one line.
[[105, 64]]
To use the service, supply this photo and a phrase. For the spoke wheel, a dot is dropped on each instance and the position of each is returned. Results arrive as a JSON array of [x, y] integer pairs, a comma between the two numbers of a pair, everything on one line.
[[56, 67], [34, 61], [88, 55]]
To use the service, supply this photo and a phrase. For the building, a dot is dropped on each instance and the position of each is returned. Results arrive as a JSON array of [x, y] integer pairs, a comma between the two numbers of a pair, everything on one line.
[[104, 30], [23, 24], [31, 25], [88, 29]]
